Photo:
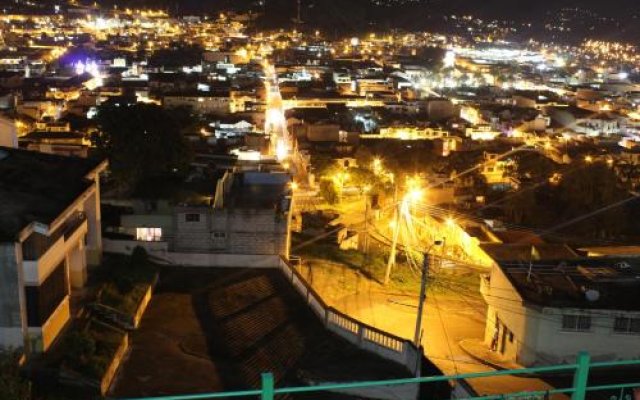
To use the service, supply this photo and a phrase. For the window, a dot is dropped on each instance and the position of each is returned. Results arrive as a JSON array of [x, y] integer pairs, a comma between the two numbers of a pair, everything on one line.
[[576, 323], [43, 300], [626, 325], [192, 217], [149, 234]]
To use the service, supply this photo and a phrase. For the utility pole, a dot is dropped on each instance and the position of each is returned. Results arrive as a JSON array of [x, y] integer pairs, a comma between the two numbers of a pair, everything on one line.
[[423, 293], [421, 299], [366, 224], [396, 231]]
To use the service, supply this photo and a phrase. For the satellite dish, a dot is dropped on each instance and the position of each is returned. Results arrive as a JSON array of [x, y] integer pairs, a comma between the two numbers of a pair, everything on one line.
[[592, 295]]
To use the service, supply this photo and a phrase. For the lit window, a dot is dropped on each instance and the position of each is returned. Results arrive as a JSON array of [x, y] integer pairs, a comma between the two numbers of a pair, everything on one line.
[[626, 325], [149, 234], [576, 323]]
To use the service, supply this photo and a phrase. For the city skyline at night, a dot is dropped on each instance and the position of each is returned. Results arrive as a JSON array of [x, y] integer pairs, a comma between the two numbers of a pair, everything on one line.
[[331, 199]]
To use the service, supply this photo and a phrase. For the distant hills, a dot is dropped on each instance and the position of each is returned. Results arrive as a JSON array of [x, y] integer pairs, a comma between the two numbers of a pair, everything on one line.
[[345, 16]]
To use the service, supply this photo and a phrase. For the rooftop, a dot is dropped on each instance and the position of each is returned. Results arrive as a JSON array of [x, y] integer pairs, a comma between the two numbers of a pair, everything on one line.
[[257, 190], [220, 329], [591, 283], [525, 252], [37, 187]]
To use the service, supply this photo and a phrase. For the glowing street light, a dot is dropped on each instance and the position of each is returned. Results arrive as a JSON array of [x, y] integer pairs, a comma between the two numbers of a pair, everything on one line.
[[415, 192], [414, 195], [282, 150], [377, 166]]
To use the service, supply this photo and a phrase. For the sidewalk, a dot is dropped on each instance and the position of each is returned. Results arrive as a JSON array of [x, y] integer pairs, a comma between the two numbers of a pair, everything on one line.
[[480, 352]]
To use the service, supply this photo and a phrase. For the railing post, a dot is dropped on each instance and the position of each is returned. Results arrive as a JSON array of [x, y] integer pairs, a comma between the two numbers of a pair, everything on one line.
[[581, 376], [267, 386]]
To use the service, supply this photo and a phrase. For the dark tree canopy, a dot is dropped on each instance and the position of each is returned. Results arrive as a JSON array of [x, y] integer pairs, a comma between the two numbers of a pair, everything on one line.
[[587, 203], [143, 142]]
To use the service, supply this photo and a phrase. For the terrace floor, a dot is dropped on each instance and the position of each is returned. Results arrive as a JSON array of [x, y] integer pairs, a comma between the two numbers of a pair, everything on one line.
[[219, 329]]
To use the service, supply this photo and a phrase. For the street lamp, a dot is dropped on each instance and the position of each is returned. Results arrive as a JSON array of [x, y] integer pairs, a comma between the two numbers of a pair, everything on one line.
[[423, 293]]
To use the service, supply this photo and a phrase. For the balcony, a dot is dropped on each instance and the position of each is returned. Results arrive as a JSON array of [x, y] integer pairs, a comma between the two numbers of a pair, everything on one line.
[[37, 244], [72, 224]]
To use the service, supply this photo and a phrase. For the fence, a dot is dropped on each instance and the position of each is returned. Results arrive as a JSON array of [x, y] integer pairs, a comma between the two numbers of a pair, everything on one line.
[[366, 337], [578, 390]]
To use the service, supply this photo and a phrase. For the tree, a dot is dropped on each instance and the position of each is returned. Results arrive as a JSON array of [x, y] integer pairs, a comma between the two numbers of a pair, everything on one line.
[[12, 385], [535, 166], [328, 191], [139, 258], [143, 142], [364, 157], [587, 193]]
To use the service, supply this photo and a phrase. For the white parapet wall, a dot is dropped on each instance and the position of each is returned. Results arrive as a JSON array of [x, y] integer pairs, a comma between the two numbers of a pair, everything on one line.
[[222, 260], [365, 337], [160, 251]]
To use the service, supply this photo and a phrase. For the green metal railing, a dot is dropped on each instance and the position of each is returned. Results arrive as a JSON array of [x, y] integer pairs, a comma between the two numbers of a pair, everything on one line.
[[578, 391]]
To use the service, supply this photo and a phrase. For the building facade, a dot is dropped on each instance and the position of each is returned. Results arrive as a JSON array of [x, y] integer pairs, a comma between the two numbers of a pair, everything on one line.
[[50, 230], [546, 312], [250, 215]]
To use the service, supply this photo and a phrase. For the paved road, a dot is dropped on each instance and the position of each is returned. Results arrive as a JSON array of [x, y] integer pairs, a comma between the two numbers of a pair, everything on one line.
[[450, 316]]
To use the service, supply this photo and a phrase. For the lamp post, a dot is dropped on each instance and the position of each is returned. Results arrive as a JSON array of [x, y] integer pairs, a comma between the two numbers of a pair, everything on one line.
[[423, 293]]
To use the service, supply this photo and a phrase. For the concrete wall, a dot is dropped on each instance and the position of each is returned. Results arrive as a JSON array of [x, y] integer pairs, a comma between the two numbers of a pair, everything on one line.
[[231, 231], [94, 235], [13, 325], [158, 249], [8, 135], [77, 262]]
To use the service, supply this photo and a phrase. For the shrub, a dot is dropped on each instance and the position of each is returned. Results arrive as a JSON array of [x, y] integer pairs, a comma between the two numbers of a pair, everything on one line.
[[80, 348], [139, 258], [12, 385]]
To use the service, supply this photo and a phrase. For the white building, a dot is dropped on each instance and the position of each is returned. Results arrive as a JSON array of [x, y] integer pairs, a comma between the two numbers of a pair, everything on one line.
[[602, 124], [50, 230], [545, 312]]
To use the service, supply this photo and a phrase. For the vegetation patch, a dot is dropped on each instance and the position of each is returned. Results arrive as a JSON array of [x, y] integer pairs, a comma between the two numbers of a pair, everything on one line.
[[90, 349], [127, 281]]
